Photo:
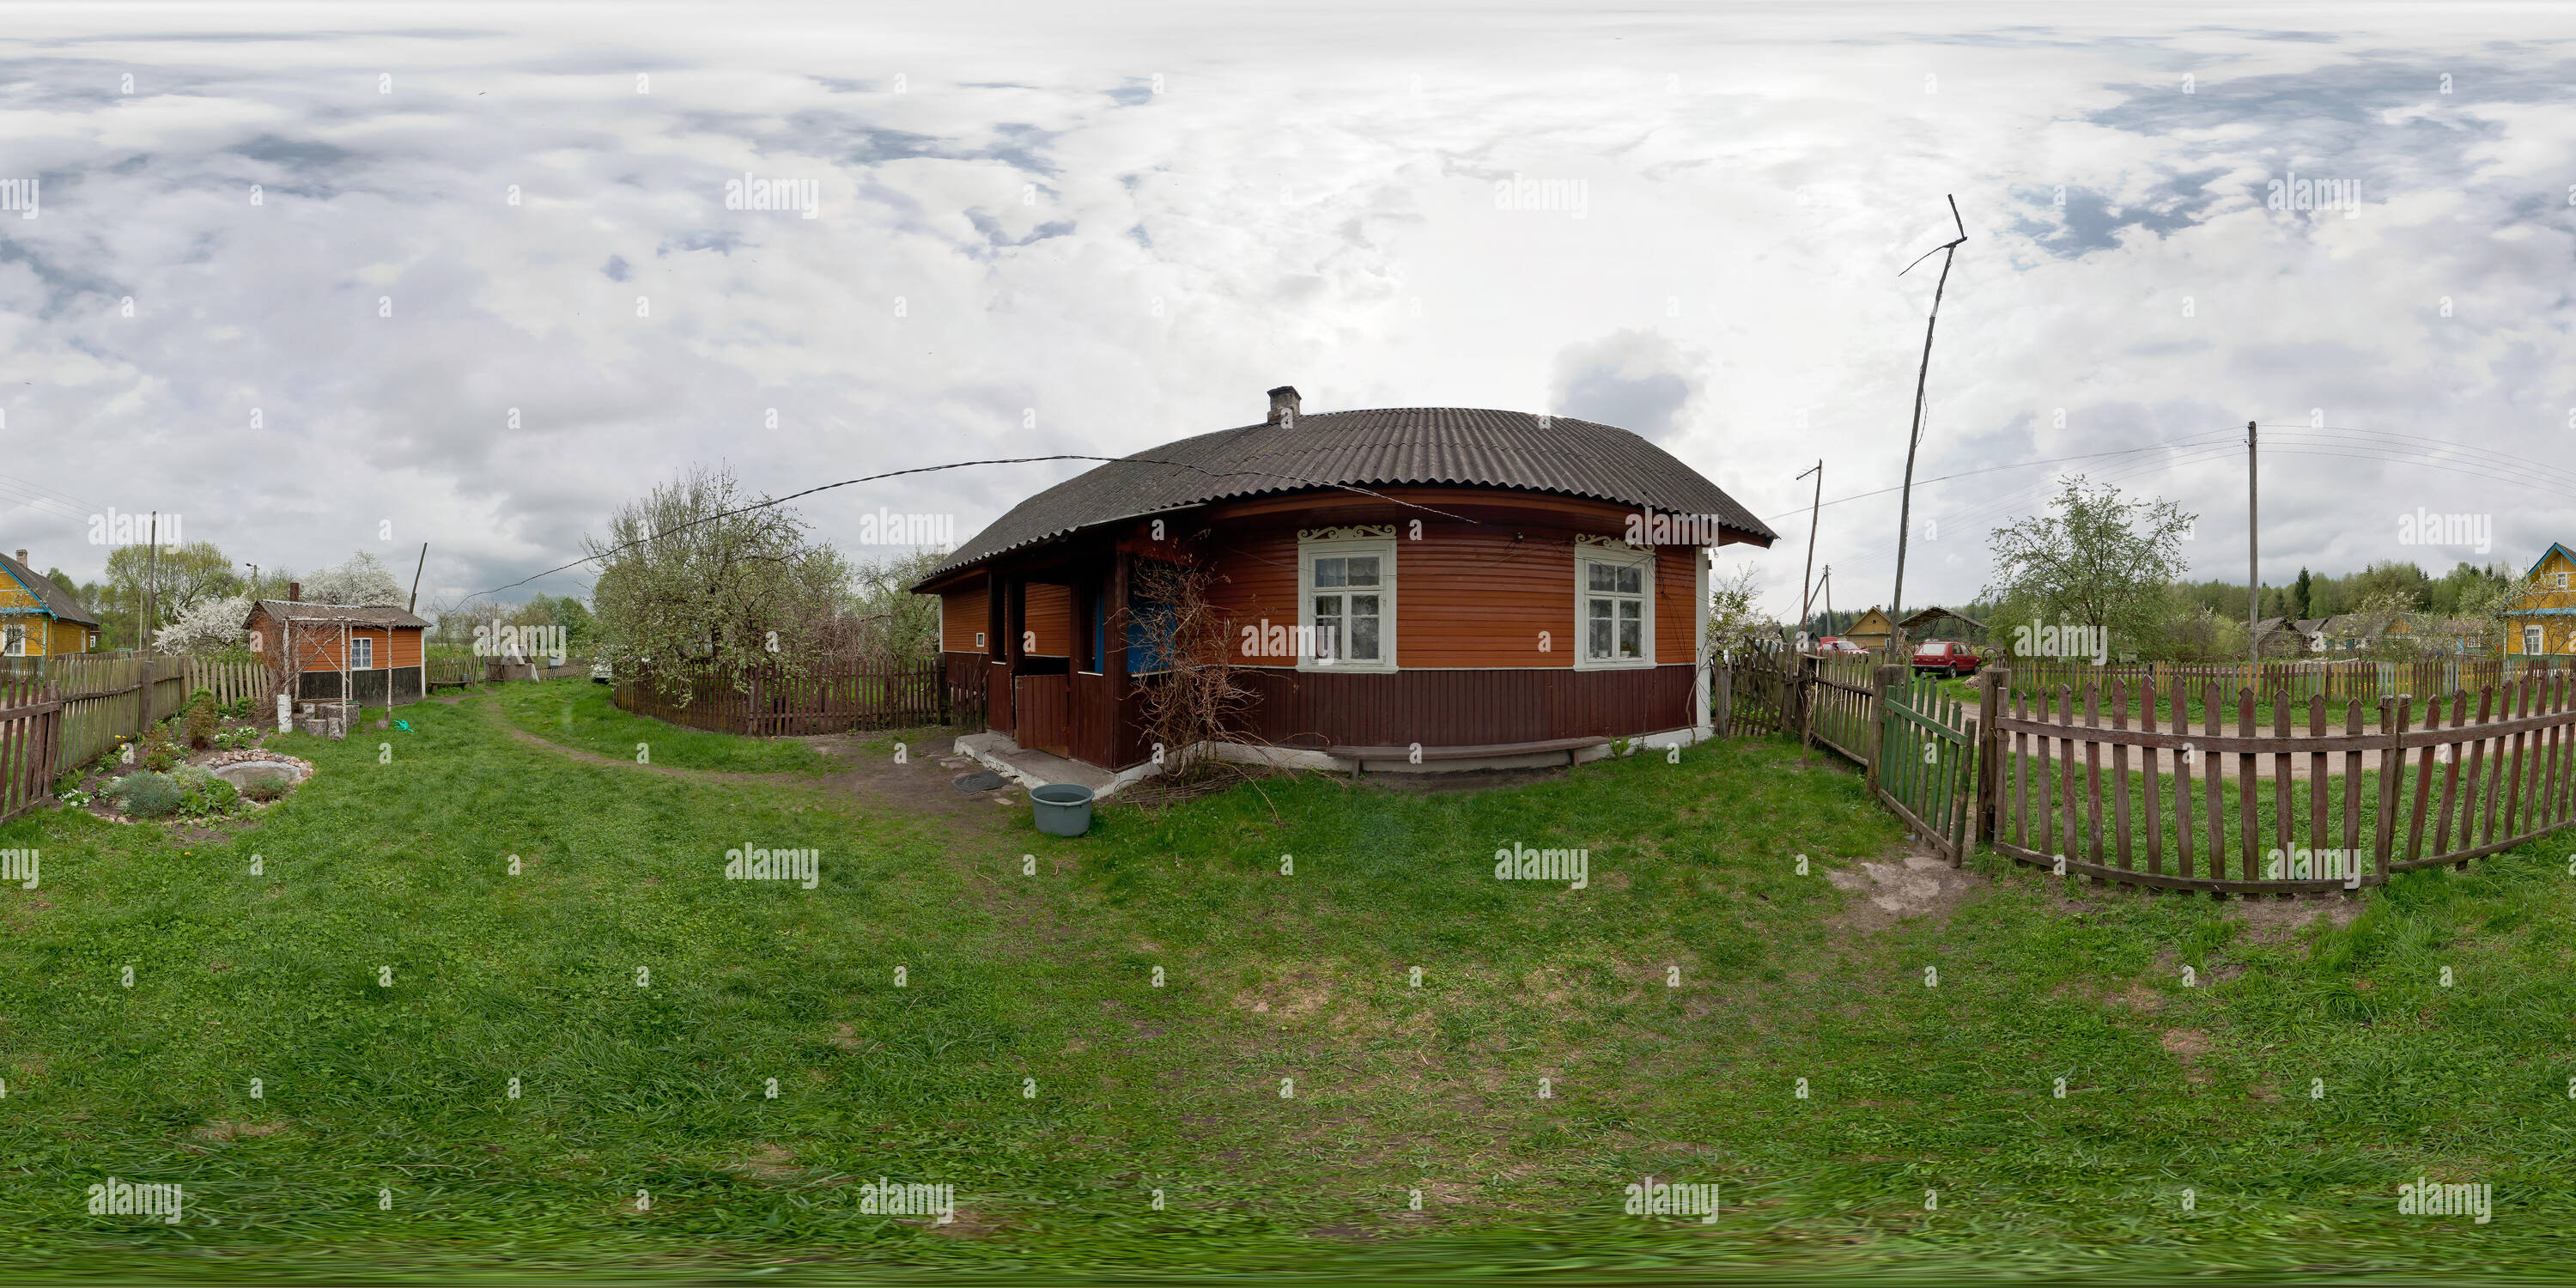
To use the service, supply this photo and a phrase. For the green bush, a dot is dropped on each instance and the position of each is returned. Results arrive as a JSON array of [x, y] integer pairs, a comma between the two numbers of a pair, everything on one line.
[[201, 717], [203, 795], [159, 753], [146, 795]]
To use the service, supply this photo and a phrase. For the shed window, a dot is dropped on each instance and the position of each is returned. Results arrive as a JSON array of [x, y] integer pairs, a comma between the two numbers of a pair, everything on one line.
[[362, 654], [1346, 603], [1615, 605]]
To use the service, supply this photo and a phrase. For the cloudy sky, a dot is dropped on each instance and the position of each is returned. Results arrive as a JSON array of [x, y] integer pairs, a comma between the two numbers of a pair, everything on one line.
[[313, 276]]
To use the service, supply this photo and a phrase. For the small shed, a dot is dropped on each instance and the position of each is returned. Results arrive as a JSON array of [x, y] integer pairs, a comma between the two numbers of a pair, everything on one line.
[[1928, 625], [340, 652]]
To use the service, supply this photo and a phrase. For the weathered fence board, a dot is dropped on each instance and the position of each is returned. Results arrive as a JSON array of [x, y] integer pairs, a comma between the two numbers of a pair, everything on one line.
[[771, 706], [30, 732], [2470, 784]]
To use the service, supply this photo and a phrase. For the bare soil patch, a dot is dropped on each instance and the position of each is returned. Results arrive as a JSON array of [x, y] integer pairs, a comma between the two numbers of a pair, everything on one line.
[[1918, 884]]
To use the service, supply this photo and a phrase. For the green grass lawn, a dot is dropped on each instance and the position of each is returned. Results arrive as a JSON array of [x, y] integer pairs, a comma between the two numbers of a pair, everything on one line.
[[1672, 1008], [581, 714]]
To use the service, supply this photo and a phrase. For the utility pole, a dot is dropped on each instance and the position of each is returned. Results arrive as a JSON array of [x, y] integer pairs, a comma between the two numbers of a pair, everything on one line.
[[1829, 594], [1914, 438], [415, 591], [151, 583], [2253, 562], [1807, 580]]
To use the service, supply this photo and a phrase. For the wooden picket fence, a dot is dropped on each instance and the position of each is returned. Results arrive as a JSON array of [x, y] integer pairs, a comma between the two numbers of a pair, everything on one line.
[[2186, 785], [861, 696], [2504, 770], [1926, 767], [1756, 691], [1840, 705], [109, 697], [2334, 679], [30, 736]]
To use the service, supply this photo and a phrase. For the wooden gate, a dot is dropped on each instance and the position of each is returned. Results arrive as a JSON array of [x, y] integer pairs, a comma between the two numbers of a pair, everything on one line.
[[1927, 761]]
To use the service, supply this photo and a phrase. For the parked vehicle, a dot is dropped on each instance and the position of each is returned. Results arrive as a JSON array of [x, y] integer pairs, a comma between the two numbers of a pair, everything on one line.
[[1837, 644], [1945, 657]]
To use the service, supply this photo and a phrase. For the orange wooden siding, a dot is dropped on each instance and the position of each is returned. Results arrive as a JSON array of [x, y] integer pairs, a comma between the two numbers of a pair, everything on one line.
[[316, 645], [1466, 595], [1049, 616], [1675, 613], [963, 613]]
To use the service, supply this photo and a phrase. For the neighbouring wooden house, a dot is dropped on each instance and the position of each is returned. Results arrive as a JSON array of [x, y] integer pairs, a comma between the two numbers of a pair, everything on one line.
[[2541, 620], [1872, 630], [39, 618], [339, 652], [1492, 587]]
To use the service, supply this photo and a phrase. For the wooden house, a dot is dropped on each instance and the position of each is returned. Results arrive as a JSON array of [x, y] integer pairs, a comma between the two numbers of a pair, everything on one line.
[[1872, 630], [2541, 620], [1473, 587], [39, 618], [339, 652]]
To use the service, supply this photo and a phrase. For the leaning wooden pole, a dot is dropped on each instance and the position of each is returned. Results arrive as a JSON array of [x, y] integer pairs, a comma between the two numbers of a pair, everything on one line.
[[1914, 437]]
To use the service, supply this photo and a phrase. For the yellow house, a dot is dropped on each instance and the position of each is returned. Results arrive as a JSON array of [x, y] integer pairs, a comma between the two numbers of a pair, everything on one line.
[[1872, 630], [37, 619], [2542, 618]]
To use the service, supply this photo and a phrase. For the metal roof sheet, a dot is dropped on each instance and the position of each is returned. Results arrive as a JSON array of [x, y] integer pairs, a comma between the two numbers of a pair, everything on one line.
[[1456, 446]]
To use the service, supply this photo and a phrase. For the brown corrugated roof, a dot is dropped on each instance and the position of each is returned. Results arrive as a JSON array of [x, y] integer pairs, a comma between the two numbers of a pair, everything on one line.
[[291, 610], [57, 601], [1459, 446]]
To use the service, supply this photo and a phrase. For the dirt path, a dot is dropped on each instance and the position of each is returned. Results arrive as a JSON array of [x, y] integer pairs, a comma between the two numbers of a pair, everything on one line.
[[920, 787]]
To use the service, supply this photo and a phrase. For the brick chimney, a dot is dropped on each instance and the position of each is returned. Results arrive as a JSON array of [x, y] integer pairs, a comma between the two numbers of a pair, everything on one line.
[[1283, 405], [22, 556], [295, 592]]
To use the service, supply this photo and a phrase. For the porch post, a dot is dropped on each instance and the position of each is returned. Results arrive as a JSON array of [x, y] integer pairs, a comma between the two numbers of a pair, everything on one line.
[[1015, 614], [1703, 724], [993, 617]]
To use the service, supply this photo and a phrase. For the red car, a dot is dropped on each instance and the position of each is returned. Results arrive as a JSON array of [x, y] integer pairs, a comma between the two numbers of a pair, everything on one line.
[[1837, 644], [1945, 657]]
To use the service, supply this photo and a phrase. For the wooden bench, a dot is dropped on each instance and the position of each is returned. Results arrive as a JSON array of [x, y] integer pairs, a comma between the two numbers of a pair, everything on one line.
[[436, 682], [1360, 756]]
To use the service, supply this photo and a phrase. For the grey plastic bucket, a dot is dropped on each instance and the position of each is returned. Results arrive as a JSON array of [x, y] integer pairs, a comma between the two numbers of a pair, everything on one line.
[[1063, 809]]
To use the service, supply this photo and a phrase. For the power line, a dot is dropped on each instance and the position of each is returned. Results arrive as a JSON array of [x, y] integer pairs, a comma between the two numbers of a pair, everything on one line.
[[959, 465]]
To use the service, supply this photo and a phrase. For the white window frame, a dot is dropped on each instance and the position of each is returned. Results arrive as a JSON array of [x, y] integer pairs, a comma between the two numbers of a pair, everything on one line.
[[362, 645], [2533, 640], [13, 640], [1334, 543], [1618, 555]]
